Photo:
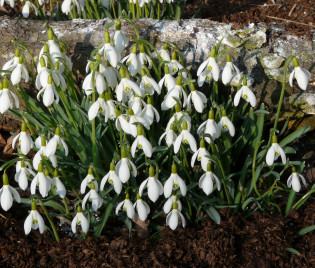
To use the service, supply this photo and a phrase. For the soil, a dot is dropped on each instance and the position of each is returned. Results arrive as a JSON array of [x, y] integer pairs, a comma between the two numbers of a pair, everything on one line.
[[260, 241]]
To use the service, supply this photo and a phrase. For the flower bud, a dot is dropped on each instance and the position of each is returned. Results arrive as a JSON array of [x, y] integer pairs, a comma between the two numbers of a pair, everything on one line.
[[228, 57], [118, 25], [112, 166], [173, 55], [185, 125], [179, 80], [175, 205], [40, 167], [17, 52], [213, 52], [5, 82], [122, 73], [50, 34], [34, 206], [56, 173], [166, 69], [274, 139], [90, 171], [295, 62], [5, 179], [151, 171], [211, 114], [174, 168], [106, 37]]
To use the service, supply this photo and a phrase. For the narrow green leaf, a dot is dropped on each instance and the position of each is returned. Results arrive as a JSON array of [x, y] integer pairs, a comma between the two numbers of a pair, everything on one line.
[[292, 250], [213, 214], [290, 201], [306, 230], [293, 136]]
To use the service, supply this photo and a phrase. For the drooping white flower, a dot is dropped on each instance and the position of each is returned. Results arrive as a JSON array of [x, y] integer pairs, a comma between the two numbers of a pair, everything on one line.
[[197, 98], [226, 125], [155, 187], [207, 179], [61, 80], [173, 183], [173, 217], [136, 104], [229, 70], [148, 84], [177, 93], [110, 52], [12, 63], [142, 2], [301, 75], [98, 107], [126, 88], [246, 94], [163, 53], [210, 65], [110, 108], [122, 123], [201, 155], [58, 186], [120, 40], [23, 171], [168, 80], [169, 135], [149, 113], [26, 9], [41, 153], [54, 142], [67, 6], [174, 66], [135, 120], [94, 198], [142, 143], [294, 180], [19, 72], [169, 204], [209, 127], [185, 137], [111, 76], [127, 206], [125, 167], [274, 152], [34, 220], [89, 181], [50, 94], [42, 74], [143, 58], [42, 181], [178, 116], [25, 141], [7, 97], [132, 61], [142, 208], [99, 81], [7, 193], [112, 178], [80, 219]]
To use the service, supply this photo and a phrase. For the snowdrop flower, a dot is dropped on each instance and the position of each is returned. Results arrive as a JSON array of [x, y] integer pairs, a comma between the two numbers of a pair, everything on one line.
[[173, 183], [88, 181], [50, 94], [201, 155], [42, 153], [163, 53], [207, 67], [143, 2], [57, 185], [111, 76], [209, 127], [93, 197], [207, 179], [67, 6], [177, 92], [19, 72], [226, 125], [173, 217], [301, 75], [185, 137], [143, 58], [110, 52], [26, 9], [42, 75], [294, 180], [120, 40], [99, 81], [127, 206], [142, 208], [6, 96], [197, 98], [229, 70], [34, 220], [132, 61], [246, 94], [41, 180], [274, 152], [110, 107], [169, 204], [169, 135], [11, 64], [126, 87], [179, 115], [121, 122], [25, 141], [168, 80], [112, 178], [136, 104], [23, 171], [175, 66], [9, 2], [80, 219], [61, 80], [155, 187], [124, 167], [98, 107], [7, 193], [54, 142], [149, 113], [148, 84], [135, 120], [142, 143]]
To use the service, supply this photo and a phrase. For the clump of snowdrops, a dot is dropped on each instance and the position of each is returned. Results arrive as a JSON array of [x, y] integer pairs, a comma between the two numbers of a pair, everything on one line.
[[100, 9], [142, 139]]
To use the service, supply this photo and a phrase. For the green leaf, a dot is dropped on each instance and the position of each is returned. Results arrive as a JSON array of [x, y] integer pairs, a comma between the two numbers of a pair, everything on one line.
[[55, 205], [290, 201], [306, 230], [293, 136], [292, 250], [213, 214]]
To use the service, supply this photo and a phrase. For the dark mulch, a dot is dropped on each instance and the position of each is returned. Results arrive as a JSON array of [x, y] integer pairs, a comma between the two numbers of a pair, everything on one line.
[[260, 241]]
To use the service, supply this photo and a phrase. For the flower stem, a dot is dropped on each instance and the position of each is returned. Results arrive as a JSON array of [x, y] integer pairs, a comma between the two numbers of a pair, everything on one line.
[[159, 11], [113, 7], [49, 219], [64, 200]]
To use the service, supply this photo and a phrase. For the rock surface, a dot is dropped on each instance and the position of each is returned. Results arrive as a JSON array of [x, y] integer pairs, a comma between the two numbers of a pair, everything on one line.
[[258, 50]]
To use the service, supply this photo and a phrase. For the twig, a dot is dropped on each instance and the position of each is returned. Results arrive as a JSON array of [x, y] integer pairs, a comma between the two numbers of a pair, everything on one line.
[[291, 21], [3, 216], [294, 6]]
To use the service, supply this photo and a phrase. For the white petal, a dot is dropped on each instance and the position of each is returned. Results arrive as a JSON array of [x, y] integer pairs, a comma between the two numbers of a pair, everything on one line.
[[270, 156], [168, 187], [28, 224]]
